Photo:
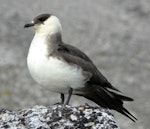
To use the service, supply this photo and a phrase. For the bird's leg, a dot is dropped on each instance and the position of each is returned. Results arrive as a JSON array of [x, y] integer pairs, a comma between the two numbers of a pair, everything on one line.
[[69, 96], [62, 96]]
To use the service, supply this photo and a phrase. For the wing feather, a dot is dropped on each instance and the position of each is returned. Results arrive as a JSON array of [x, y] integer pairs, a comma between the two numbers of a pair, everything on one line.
[[75, 56]]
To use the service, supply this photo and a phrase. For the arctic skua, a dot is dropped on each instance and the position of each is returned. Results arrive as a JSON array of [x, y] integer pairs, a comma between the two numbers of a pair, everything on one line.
[[65, 69]]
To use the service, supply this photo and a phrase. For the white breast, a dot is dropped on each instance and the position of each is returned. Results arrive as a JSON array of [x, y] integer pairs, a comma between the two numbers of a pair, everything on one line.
[[50, 72]]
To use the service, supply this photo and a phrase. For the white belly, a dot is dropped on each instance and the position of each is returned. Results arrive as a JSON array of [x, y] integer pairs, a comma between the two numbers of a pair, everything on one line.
[[53, 74]]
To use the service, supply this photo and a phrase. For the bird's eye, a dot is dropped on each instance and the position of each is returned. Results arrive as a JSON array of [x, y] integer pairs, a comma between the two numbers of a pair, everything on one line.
[[42, 19]]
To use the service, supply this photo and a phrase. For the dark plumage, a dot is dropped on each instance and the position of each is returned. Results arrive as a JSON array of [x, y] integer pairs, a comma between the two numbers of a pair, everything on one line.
[[96, 88]]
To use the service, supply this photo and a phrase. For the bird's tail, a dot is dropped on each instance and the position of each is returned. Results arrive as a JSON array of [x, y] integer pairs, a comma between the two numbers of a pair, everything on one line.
[[109, 99]]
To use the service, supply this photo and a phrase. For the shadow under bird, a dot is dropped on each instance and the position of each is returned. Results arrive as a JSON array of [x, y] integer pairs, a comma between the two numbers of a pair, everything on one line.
[[65, 69]]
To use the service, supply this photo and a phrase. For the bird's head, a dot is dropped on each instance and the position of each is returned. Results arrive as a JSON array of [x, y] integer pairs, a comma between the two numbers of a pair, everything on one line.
[[45, 24]]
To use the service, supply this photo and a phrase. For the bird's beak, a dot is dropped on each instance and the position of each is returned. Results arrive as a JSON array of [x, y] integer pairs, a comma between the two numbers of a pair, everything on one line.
[[29, 25]]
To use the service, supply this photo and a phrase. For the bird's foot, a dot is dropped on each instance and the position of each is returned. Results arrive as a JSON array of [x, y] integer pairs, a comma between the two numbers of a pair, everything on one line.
[[58, 103]]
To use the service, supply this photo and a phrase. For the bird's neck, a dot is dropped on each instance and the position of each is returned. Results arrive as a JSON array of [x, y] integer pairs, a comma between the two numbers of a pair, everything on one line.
[[45, 43], [51, 37]]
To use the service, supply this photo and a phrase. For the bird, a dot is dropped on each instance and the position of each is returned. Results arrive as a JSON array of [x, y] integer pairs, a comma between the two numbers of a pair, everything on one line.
[[65, 69]]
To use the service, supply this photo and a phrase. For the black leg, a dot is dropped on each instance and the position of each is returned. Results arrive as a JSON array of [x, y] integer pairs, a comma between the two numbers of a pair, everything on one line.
[[62, 96], [69, 96]]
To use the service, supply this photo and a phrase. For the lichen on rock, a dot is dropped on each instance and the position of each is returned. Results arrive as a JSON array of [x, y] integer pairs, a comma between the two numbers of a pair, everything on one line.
[[58, 117]]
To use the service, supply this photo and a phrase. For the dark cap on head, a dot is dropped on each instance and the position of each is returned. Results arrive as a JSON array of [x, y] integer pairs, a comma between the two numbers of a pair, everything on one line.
[[37, 20]]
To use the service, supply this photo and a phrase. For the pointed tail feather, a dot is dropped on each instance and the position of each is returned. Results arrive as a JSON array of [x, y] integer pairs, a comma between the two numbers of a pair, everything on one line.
[[108, 99], [122, 97], [127, 114]]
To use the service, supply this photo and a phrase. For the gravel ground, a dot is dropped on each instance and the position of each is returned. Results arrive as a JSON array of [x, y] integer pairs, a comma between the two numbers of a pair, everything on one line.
[[114, 33]]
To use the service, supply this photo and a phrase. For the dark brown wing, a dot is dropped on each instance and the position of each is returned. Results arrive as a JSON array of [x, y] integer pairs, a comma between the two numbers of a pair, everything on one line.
[[75, 56], [71, 50], [98, 91]]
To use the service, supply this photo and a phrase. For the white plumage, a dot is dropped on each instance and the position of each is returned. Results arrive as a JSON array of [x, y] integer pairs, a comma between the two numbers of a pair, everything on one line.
[[51, 72], [64, 74]]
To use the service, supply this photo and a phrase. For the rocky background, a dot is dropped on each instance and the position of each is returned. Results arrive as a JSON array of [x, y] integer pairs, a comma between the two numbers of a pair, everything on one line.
[[58, 117], [114, 33]]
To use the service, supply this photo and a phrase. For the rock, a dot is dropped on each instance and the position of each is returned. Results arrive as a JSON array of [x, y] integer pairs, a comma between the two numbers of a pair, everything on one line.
[[58, 117]]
